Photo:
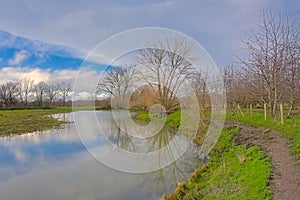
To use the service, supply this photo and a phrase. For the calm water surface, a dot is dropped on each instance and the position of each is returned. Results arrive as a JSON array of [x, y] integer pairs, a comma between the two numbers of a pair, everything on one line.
[[55, 165]]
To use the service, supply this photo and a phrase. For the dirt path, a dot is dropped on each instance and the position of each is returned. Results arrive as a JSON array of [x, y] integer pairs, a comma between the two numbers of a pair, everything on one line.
[[285, 180]]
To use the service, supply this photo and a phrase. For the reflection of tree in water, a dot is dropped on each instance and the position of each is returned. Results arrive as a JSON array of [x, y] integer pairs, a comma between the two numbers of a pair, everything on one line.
[[165, 179], [119, 137]]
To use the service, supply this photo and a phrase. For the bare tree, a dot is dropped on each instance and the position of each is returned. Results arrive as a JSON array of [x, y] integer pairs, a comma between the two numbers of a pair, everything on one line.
[[118, 83], [8, 93], [39, 91], [239, 87], [165, 66], [25, 87], [4, 94], [51, 92], [292, 72], [267, 47], [199, 83], [64, 90]]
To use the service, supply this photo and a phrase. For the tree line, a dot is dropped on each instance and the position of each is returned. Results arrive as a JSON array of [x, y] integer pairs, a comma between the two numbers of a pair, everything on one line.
[[26, 93], [267, 72]]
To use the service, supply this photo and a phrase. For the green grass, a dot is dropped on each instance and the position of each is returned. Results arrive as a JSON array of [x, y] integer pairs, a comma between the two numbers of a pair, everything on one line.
[[234, 172], [291, 127], [172, 120], [24, 121], [143, 116]]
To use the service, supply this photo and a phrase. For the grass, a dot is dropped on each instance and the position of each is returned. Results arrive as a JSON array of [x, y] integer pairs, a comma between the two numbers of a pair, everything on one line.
[[234, 172], [172, 120], [24, 121], [143, 116], [291, 127]]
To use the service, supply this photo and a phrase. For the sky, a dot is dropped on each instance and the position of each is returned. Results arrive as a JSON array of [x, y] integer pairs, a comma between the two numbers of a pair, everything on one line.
[[50, 38]]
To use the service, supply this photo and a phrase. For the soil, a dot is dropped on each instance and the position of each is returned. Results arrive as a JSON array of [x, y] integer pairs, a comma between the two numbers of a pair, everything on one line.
[[285, 178]]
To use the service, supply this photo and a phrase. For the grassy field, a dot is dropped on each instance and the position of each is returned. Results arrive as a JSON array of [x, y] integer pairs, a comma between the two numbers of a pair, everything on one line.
[[291, 127], [23, 121]]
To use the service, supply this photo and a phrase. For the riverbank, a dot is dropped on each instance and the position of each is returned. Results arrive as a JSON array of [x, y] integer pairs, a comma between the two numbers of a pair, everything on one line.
[[234, 172], [29, 120], [249, 162]]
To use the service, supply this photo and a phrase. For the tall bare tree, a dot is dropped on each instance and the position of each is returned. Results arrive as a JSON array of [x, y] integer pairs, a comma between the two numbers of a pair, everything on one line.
[[118, 83], [165, 65], [292, 72], [267, 46]]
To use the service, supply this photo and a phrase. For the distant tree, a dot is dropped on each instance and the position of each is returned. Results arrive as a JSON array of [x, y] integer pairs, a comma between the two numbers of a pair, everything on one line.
[[39, 91], [51, 92], [64, 90], [25, 87], [238, 87], [8, 93], [199, 83]]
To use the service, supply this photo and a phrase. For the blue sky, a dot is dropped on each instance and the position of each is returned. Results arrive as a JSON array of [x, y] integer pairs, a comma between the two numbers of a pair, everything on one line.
[[60, 33]]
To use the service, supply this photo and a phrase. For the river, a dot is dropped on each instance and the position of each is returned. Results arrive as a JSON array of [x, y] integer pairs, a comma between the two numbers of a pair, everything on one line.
[[60, 163]]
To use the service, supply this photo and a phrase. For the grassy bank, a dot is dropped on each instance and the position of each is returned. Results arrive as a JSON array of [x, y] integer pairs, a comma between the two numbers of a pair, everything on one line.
[[291, 127], [234, 172], [23, 121]]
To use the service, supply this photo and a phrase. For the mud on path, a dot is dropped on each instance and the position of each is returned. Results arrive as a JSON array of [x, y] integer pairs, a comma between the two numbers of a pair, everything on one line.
[[285, 178]]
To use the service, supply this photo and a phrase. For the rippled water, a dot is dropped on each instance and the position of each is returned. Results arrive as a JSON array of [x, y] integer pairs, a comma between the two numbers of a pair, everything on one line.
[[55, 164]]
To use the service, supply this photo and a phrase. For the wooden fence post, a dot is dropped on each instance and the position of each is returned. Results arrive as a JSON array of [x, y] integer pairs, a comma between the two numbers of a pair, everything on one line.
[[251, 110], [281, 114], [265, 111]]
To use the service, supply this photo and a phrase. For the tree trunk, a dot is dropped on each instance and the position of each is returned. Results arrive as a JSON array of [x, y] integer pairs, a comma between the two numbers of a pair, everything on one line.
[[290, 110]]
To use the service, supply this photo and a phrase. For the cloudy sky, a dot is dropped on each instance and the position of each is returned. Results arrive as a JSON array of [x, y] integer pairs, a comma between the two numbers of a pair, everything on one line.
[[77, 26]]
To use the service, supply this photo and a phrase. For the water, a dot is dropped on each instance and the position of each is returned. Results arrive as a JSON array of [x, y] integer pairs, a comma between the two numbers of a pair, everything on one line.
[[55, 164]]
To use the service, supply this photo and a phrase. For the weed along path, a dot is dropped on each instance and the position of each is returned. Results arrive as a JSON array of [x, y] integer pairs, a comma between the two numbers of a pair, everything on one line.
[[285, 179]]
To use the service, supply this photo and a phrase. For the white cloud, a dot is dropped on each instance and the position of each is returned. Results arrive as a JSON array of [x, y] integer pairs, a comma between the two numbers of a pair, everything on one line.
[[19, 57], [16, 73], [67, 75], [36, 74], [19, 154]]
